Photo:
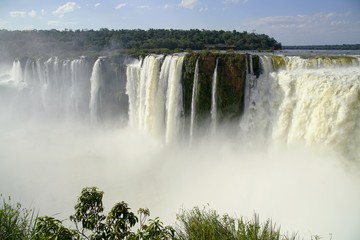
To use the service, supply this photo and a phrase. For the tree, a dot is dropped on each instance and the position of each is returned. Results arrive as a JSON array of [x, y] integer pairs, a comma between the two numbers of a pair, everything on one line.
[[92, 224]]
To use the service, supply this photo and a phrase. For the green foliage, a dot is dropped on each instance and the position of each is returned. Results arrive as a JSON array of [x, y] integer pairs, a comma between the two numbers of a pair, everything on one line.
[[120, 221], [89, 208], [202, 224], [16, 222], [51, 228], [92, 224], [37, 43]]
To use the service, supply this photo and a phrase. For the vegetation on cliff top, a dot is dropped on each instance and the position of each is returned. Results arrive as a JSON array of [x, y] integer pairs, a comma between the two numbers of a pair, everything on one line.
[[54, 42]]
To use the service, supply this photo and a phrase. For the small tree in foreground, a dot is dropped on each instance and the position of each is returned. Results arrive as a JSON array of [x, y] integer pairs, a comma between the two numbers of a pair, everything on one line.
[[92, 224]]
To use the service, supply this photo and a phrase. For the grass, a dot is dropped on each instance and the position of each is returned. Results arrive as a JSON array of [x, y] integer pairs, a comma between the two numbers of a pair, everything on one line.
[[16, 222], [203, 224]]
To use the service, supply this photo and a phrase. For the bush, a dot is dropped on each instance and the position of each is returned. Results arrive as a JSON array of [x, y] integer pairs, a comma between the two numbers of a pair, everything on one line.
[[202, 224]]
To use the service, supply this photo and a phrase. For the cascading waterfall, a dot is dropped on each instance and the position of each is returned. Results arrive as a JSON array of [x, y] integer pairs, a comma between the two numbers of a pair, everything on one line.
[[309, 102], [80, 91], [329, 117], [142, 87], [160, 110], [174, 103], [96, 92], [132, 90], [155, 95], [257, 119], [193, 99], [295, 100], [16, 72], [213, 98], [149, 77]]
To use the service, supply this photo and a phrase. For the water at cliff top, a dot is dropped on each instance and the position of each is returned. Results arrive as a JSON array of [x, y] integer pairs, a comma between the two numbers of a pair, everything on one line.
[[292, 155]]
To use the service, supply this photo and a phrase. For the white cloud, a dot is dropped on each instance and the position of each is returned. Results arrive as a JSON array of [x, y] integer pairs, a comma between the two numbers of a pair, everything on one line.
[[42, 12], [97, 4], [190, 4], [18, 13], [297, 21], [32, 13], [144, 7], [236, 1], [318, 28], [120, 5], [66, 8]]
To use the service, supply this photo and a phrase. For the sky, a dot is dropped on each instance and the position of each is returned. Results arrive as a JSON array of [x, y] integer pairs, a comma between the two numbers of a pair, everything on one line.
[[291, 22]]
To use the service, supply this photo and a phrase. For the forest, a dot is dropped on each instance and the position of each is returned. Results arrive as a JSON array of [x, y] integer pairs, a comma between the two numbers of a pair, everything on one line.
[[133, 42]]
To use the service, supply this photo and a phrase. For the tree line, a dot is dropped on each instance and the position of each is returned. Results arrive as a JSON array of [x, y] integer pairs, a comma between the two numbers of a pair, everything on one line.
[[52, 42]]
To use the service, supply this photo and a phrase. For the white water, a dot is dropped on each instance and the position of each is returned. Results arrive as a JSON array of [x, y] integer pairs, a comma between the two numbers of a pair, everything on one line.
[[294, 176], [174, 103], [16, 72], [213, 99], [96, 91], [194, 99], [132, 90], [155, 95]]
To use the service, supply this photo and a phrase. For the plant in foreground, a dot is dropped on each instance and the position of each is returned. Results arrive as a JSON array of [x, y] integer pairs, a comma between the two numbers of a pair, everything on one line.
[[16, 222], [202, 224], [92, 224]]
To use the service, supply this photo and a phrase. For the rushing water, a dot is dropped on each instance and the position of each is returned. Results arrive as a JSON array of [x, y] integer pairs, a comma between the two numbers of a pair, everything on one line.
[[213, 98], [294, 157]]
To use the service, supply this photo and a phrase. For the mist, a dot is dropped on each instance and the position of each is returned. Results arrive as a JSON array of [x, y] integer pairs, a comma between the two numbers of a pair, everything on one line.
[[44, 165]]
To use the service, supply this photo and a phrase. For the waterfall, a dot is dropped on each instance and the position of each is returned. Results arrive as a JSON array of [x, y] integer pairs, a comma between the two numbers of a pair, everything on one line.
[[97, 86], [309, 103], [317, 105], [142, 87], [256, 121], [160, 110], [149, 77], [80, 87], [294, 101], [155, 95], [213, 99], [174, 103], [132, 90], [193, 99], [16, 72]]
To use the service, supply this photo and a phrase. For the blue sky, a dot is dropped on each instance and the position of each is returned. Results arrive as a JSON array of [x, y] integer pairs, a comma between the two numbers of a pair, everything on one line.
[[292, 22]]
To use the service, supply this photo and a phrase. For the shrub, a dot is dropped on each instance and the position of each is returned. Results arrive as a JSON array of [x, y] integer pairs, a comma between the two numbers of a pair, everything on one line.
[[203, 224], [16, 222]]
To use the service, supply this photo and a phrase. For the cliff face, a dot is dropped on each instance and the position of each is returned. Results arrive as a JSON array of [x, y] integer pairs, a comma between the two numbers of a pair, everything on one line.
[[231, 76]]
